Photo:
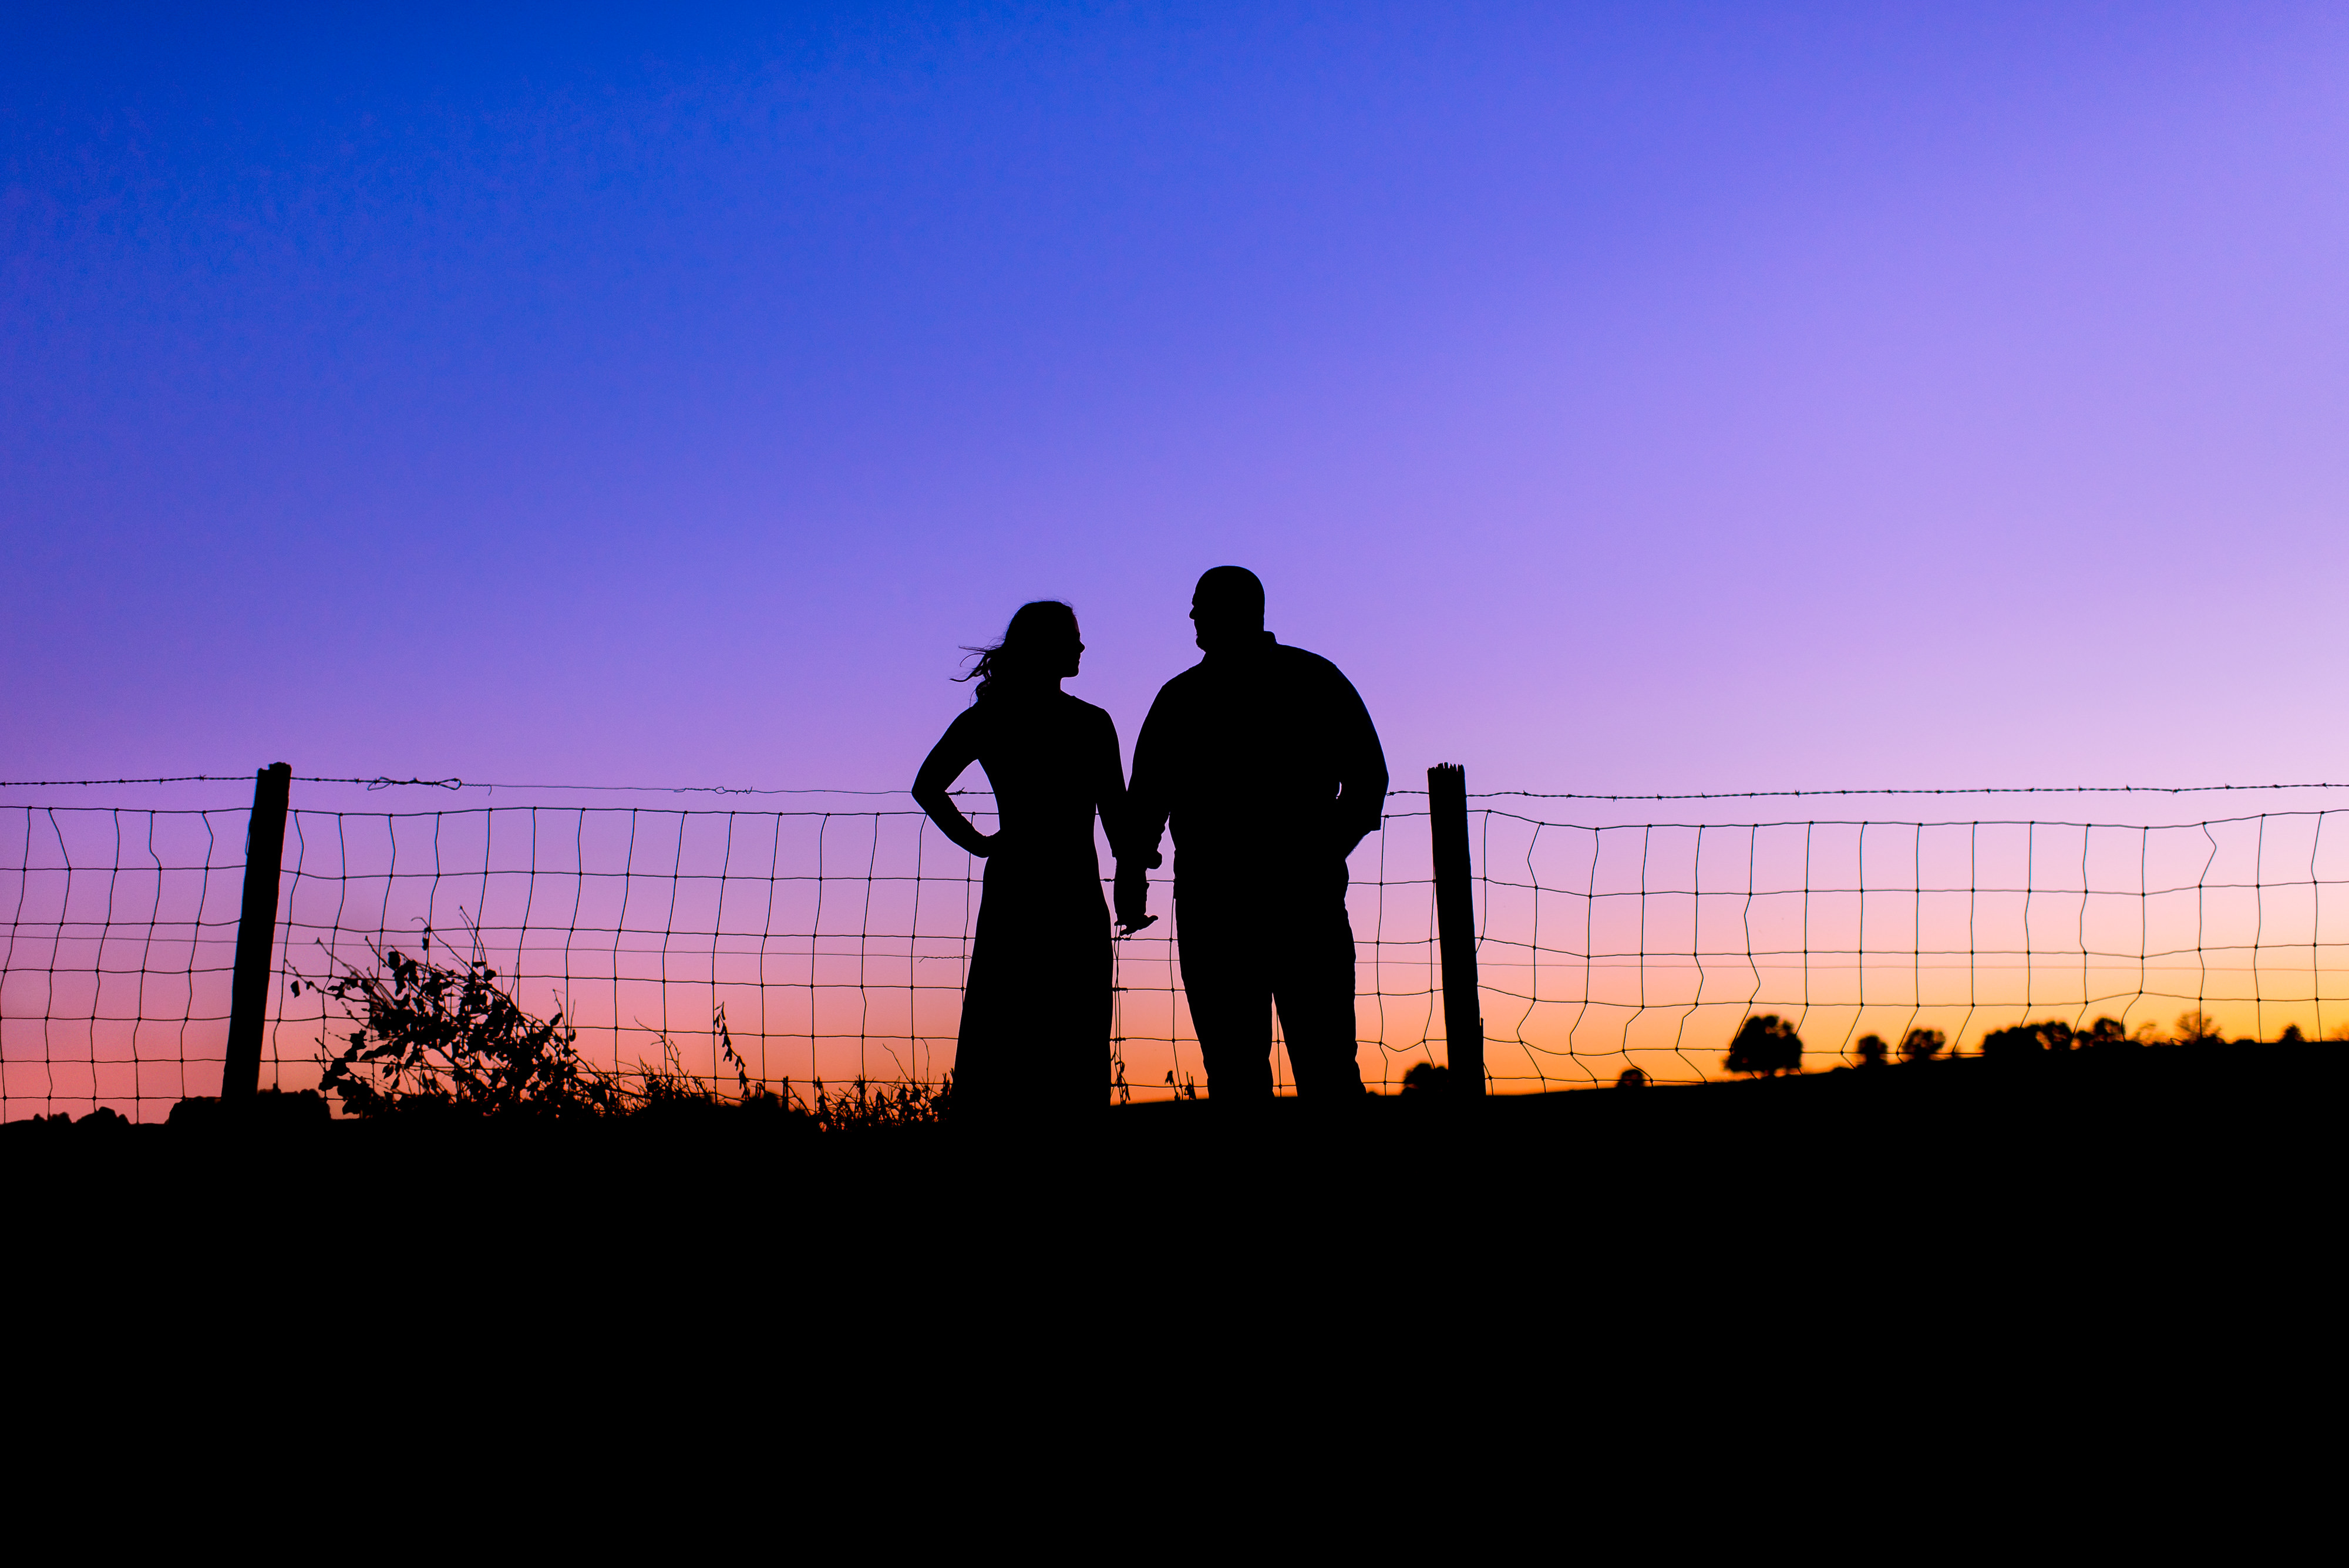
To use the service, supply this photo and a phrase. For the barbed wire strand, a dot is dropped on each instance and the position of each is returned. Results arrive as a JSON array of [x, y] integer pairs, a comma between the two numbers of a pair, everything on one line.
[[458, 783]]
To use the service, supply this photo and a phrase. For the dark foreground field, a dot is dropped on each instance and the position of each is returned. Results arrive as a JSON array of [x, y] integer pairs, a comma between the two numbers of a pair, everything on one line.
[[1988, 1266], [2159, 1171]]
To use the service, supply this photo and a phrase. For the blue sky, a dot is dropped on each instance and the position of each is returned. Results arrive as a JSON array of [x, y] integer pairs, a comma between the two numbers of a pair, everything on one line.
[[1629, 397]]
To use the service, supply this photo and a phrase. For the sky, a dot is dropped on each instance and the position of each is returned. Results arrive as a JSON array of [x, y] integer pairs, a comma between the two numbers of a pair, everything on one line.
[[1628, 397]]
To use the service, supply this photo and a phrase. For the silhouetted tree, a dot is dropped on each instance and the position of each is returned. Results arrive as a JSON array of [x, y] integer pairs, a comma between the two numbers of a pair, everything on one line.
[[2196, 1027], [1871, 1050], [2102, 1032], [2024, 1039], [1922, 1044], [1631, 1078], [2291, 1036], [2010, 1041], [1766, 1045]]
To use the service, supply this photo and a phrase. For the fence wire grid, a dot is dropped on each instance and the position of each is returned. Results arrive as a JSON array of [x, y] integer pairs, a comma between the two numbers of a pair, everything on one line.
[[835, 941]]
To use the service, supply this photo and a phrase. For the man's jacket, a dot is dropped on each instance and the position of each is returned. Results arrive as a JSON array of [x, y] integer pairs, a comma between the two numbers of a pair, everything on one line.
[[1266, 762]]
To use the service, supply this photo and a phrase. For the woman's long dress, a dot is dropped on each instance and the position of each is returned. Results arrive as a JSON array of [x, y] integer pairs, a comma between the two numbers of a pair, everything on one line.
[[1036, 1007]]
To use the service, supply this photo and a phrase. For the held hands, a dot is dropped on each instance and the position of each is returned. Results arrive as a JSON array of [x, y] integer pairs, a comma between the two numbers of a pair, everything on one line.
[[1133, 896]]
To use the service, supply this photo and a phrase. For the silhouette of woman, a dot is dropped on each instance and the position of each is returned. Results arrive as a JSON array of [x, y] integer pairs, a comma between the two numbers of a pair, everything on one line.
[[1036, 1006]]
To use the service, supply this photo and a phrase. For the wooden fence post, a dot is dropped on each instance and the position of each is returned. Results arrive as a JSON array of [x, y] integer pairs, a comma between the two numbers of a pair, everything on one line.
[[1456, 924], [256, 931]]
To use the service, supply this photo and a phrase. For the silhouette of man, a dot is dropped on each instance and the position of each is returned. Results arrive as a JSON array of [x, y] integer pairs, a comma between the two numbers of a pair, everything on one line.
[[1267, 763]]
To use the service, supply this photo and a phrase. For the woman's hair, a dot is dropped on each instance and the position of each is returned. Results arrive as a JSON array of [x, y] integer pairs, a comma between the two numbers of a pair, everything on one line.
[[1033, 627]]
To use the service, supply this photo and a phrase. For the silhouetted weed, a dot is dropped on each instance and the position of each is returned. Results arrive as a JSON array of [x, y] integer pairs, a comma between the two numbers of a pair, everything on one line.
[[438, 1037], [435, 1036]]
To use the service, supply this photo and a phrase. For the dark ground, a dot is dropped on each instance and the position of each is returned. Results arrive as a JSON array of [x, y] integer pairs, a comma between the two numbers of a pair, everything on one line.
[[2098, 1281], [2139, 1163], [1982, 1267]]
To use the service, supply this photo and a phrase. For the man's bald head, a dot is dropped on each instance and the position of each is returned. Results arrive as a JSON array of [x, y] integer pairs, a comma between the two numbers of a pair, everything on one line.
[[1227, 607], [1230, 593]]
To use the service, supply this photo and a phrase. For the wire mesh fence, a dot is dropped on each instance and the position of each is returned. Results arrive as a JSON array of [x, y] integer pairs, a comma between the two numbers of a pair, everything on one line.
[[834, 941], [1647, 945]]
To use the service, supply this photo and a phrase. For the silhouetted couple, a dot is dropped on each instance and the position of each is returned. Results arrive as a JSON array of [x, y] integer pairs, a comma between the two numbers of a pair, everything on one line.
[[1264, 760]]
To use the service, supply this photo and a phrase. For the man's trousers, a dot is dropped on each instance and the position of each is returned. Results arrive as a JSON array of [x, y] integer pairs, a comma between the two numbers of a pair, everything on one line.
[[1249, 948]]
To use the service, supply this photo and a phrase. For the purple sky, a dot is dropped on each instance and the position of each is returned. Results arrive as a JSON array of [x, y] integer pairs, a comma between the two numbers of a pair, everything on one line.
[[1627, 397]]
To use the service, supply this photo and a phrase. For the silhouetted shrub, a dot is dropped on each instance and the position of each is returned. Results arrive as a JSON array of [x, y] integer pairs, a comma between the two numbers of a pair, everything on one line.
[[1426, 1078], [1631, 1078], [1765, 1045], [1922, 1044], [1871, 1050], [102, 1122], [271, 1107], [2291, 1036], [447, 1036]]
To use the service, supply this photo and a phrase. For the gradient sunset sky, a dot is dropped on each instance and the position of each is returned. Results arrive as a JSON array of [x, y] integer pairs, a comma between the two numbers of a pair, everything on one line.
[[1627, 397]]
